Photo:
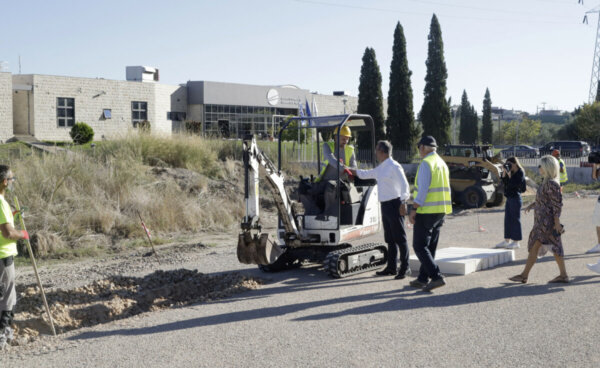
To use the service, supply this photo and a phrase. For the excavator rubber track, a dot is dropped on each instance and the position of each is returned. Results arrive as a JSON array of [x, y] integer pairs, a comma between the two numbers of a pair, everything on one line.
[[354, 260]]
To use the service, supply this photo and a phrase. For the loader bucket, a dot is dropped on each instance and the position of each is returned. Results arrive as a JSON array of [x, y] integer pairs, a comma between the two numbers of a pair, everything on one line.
[[257, 250]]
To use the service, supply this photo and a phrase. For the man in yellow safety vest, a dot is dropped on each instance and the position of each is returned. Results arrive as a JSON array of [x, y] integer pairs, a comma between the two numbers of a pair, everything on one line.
[[326, 183], [564, 177], [432, 201]]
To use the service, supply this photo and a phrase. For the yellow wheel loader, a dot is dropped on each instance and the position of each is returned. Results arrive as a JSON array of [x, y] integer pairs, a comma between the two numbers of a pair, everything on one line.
[[474, 175]]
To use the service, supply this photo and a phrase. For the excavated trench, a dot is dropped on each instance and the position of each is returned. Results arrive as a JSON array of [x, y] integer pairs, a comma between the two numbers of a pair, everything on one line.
[[120, 297]]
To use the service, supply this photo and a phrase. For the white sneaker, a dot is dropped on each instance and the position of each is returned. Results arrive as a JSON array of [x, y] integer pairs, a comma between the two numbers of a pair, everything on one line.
[[594, 267], [595, 249], [9, 333], [502, 244], [513, 245]]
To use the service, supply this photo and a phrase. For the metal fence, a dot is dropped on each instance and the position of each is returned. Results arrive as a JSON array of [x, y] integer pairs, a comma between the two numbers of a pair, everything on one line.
[[569, 161]]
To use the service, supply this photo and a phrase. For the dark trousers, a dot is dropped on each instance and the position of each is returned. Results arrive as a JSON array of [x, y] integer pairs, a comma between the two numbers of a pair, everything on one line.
[[394, 235], [425, 240], [512, 218]]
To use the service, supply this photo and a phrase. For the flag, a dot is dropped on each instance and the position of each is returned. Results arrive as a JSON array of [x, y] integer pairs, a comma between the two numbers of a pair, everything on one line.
[[315, 112], [307, 108], [301, 113]]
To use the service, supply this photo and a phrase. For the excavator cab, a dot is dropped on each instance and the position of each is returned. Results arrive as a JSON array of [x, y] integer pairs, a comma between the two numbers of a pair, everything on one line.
[[330, 216]]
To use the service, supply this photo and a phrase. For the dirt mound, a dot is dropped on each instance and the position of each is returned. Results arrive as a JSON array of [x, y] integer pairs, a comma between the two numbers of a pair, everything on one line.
[[120, 297]]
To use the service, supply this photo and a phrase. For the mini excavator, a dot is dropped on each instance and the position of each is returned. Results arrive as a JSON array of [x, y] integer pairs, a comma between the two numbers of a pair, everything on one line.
[[335, 239]]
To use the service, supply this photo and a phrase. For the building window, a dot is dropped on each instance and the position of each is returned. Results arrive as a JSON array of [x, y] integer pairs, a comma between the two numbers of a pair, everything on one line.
[[107, 114], [65, 111], [139, 112], [177, 116]]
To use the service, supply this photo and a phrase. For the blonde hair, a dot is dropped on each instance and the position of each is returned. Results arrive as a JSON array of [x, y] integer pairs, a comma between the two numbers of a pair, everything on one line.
[[551, 168]]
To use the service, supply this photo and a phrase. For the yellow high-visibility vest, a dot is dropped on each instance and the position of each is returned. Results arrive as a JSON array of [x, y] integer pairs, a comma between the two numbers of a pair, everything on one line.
[[348, 152], [563, 175], [439, 198]]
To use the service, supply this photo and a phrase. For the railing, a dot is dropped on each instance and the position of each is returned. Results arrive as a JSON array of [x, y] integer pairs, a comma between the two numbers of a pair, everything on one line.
[[569, 161]]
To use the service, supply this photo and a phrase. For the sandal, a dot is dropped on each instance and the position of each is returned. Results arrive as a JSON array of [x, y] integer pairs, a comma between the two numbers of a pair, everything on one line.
[[518, 278], [560, 279]]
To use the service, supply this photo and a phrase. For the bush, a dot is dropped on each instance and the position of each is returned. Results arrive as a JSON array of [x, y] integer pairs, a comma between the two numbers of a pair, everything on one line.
[[144, 126], [193, 127], [81, 133]]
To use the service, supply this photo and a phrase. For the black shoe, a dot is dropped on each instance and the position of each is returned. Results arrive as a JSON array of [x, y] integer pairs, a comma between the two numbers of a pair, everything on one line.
[[402, 274], [385, 272], [417, 284], [434, 284]]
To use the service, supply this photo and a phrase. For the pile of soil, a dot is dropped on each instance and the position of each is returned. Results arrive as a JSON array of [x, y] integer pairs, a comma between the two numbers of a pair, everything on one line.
[[120, 297]]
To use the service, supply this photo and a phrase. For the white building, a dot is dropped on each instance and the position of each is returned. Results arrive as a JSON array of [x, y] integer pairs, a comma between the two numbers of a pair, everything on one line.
[[46, 106]]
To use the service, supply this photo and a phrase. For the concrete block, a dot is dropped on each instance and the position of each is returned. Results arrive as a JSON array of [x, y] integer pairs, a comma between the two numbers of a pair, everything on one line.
[[462, 261]]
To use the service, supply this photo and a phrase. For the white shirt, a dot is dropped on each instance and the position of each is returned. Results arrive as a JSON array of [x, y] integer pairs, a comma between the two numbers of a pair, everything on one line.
[[391, 180]]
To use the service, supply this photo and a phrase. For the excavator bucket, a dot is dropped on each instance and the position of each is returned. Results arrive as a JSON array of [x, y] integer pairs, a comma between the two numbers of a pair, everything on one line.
[[257, 250]]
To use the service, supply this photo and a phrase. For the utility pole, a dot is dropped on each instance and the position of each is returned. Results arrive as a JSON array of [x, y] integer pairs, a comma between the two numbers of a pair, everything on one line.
[[596, 61]]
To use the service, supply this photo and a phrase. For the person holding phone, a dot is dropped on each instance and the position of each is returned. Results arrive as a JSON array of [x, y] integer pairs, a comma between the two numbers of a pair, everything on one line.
[[513, 178], [547, 229]]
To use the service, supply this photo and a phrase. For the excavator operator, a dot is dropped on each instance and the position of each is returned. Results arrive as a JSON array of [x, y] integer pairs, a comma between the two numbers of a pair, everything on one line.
[[326, 183]]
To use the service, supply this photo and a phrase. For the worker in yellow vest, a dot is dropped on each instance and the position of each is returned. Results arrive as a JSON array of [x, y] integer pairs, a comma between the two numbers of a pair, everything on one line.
[[564, 177], [332, 154], [432, 201]]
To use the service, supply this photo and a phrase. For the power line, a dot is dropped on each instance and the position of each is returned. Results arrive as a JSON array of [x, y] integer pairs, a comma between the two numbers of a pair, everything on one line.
[[388, 10]]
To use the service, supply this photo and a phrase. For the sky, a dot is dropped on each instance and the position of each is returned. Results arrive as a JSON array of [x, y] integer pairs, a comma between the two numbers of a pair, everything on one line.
[[529, 53]]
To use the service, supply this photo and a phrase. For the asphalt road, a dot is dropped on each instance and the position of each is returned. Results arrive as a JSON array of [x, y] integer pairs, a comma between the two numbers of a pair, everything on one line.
[[302, 318]]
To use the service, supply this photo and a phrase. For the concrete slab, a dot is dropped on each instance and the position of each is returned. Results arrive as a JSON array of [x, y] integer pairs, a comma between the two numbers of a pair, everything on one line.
[[462, 261]]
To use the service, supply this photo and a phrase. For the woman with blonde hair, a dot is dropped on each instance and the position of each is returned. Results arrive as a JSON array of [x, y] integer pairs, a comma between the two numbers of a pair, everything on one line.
[[546, 232]]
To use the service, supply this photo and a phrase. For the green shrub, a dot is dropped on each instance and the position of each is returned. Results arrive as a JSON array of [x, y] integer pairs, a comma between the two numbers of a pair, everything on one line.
[[81, 133], [193, 127], [144, 126]]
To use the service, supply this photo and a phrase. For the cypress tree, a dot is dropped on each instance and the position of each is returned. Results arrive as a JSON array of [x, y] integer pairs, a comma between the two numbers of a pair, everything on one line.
[[474, 126], [598, 92], [400, 124], [435, 112], [465, 111], [486, 126], [370, 97]]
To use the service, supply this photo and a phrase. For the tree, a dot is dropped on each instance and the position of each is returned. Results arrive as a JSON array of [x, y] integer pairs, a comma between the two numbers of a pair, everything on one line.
[[486, 124], [468, 132], [528, 130], [400, 123], [474, 126], [435, 112], [587, 122], [370, 97], [464, 118]]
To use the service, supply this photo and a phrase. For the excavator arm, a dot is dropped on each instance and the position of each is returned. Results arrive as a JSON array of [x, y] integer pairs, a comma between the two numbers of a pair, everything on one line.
[[255, 247]]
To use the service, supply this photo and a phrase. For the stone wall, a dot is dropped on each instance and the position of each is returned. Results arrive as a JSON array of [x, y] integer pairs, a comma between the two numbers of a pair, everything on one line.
[[6, 106], [92, 96]]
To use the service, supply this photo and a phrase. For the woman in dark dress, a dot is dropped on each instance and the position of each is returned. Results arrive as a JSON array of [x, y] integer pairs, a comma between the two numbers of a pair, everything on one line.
[[513, 178], [546, 232]]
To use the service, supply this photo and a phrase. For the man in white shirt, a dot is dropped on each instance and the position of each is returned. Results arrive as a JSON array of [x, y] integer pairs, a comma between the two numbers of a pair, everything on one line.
[[393, 192]]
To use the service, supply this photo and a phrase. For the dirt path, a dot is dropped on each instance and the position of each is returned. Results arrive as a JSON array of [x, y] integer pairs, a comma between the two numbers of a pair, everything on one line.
[[304, 318]]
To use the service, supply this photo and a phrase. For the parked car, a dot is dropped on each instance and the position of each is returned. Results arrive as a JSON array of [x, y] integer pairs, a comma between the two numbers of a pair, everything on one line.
[[567, 148], [520, 151]]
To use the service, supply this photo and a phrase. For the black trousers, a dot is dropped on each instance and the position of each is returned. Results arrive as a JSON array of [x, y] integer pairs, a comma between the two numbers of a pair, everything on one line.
[[426, 234], [394, 235]]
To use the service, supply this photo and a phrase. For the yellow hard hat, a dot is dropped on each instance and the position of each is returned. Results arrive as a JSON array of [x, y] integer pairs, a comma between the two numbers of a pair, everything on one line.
[[345, 131]]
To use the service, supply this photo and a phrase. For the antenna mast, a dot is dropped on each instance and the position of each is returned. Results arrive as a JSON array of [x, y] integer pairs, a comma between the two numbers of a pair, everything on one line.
[[596, 61]]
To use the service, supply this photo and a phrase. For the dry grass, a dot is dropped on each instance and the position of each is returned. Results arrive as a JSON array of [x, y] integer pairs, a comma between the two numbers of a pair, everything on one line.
[[78, 195]]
